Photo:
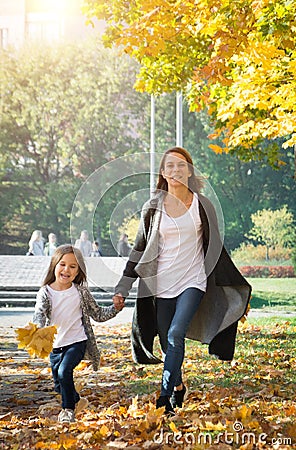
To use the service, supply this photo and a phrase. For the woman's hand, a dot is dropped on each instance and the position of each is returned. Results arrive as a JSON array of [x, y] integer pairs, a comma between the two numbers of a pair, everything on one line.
[[118, 301]]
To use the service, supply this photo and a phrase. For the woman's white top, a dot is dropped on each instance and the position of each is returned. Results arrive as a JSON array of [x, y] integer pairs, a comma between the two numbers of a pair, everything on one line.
[[66, 316], [181, 255]]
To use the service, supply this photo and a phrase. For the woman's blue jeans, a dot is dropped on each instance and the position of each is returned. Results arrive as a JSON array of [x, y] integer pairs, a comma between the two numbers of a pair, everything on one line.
[[173, 318], [63, 361]]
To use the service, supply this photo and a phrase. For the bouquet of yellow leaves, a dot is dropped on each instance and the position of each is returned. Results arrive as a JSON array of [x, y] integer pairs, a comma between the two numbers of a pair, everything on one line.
[[37, 341]]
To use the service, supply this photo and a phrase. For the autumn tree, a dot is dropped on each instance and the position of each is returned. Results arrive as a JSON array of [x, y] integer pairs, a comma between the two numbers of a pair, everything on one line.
[[65, 110], [62, 117], [235, 58], [242, 187], [273, 228]]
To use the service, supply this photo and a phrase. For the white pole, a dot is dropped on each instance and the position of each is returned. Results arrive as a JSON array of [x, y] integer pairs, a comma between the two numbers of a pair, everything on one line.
[[152, 146], [179, 120]]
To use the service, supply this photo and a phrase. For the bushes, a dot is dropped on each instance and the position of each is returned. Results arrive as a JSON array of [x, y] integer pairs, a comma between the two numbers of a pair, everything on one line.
[[247, 253], [251, 262], [293, 257], [267, 271]]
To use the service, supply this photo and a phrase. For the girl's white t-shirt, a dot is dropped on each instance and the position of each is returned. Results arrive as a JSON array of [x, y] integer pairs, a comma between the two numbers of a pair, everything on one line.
[[181, 255], [66, 316]]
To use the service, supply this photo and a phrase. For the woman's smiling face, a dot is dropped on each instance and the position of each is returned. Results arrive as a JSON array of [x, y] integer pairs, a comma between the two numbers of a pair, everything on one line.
[[176, 170], [66, 271]]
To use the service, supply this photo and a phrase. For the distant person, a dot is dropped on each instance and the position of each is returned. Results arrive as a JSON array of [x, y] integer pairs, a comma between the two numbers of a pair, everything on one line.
[[123, 247], [36, 244], [84, 244], [95, 249], [65, 301], [51, 245]]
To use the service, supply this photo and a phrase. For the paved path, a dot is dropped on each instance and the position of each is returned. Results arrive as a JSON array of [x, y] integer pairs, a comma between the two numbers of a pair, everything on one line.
[[22, 276], [104, 272], [19, 317], [29, 271]]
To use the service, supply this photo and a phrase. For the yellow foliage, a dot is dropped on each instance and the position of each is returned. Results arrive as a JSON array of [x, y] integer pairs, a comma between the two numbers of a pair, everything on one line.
[[245, 412], [104, 431], [82, 365], [173, 427], [37, 341], [213, 426], [67, 441], [133, 410], [244, 318], [239, 63], [24, 335], [258, 401], [130, 226], [217, 149]]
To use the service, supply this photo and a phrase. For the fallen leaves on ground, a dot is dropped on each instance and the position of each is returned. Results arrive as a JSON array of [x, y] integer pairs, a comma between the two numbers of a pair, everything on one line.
[[246, 404]]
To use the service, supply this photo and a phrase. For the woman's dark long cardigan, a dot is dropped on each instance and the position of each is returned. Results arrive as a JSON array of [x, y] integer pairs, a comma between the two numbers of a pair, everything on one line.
[[224, 303]]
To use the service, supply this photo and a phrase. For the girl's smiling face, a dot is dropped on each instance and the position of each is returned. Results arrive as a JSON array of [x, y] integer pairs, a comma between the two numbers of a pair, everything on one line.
[[66, 271]]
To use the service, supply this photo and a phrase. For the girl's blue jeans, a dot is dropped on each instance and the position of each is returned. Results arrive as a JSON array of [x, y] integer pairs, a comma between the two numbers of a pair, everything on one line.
[[63, 361], [173, 318]]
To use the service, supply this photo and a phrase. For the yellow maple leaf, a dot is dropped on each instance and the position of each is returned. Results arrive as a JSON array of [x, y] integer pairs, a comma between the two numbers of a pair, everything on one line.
[[244, 317], [41, 343], [24, 335], [213, 426], [245, 412], [217, 149], [67, 441], [104, 430], [173, 427], [82, 365], [37, 341]]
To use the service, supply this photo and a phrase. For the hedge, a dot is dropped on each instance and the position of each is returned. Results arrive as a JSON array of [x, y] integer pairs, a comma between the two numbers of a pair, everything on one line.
[[267, 271]]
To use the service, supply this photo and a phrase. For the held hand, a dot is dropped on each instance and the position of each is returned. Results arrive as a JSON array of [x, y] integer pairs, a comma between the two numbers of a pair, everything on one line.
[[118, 301]]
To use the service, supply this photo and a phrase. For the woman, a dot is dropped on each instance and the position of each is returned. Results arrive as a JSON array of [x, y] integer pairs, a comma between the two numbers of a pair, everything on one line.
[[188, 285], [36, 244], [50, 246], [84, 244], [123, 247]]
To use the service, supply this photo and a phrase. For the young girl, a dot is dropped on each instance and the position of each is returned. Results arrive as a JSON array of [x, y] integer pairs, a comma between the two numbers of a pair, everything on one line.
[[65, 301]]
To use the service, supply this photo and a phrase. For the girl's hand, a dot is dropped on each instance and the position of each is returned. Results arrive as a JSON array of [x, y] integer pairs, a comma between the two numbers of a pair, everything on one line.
[[118, 301]]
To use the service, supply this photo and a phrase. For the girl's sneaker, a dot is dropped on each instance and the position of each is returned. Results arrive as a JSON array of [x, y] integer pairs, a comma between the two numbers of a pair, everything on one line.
[[66, 416]]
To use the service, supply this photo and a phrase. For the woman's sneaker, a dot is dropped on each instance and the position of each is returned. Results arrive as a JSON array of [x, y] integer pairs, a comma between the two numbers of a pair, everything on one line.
[[66, 416], [164, 400], [178, 397]]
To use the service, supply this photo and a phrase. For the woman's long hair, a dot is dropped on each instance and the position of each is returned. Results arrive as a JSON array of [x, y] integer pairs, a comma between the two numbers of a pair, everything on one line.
[[195, 182], [55, 259], [35, 236]]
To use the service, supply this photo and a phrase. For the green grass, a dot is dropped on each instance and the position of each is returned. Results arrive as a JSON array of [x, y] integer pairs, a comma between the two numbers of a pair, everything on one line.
[[273, 294], [264, 354], [273, 321], [287, 285], [261, 344]]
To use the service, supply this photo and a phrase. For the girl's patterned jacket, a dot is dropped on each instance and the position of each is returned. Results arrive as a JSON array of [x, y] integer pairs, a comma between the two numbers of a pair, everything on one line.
[[89, 307]]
